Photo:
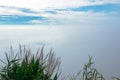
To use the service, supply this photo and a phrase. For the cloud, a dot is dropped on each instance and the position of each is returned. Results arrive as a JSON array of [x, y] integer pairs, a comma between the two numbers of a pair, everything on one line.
[[5, 10], [38, 5], [65, 17], [31, 34], [83, 18], [66, 12], [9, 11]]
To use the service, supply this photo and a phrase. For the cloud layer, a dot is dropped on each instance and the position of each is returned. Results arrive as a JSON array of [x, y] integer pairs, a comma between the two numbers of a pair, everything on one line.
[[45, 4], [54, 12]]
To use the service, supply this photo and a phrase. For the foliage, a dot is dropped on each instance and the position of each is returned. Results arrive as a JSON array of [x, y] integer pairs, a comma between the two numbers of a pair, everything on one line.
[[27, 66], [89, 72]]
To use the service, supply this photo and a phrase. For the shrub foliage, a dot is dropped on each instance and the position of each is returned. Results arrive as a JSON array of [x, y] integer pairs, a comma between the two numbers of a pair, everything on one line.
[[27, 66]]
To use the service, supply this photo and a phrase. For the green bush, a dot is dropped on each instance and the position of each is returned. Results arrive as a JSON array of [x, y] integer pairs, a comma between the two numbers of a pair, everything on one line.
[[27, 66]]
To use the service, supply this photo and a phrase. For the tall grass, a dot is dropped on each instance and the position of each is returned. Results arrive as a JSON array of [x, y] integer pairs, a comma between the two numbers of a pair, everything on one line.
[[26, 65], [89, 72]]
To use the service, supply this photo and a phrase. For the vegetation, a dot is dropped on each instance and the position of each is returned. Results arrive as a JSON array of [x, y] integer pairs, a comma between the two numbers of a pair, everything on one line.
[[88, 72], [26, 65]]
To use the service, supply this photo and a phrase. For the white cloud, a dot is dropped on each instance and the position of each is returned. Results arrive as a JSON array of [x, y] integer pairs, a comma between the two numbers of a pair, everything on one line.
[[10, 11], [64, 17], [35, 21], [45, 4], [29, 34], [82, 18], [13, 11]]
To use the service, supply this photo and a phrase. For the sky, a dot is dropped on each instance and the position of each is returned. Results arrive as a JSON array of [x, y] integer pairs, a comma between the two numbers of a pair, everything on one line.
[[75, 29], [45, 12]]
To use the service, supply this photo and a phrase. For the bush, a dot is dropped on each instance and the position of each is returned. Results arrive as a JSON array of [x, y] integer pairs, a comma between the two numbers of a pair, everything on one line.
[[27, 66]]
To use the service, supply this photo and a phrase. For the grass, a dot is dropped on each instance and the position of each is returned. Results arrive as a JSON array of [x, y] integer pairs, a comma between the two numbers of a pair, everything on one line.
[[89, 72], [26, 65]]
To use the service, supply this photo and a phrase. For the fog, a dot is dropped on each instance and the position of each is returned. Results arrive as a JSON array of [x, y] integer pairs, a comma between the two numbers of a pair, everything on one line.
[[73, 44]]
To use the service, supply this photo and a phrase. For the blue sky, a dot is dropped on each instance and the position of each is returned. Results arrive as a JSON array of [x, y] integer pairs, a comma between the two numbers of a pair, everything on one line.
[[12, 14]]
